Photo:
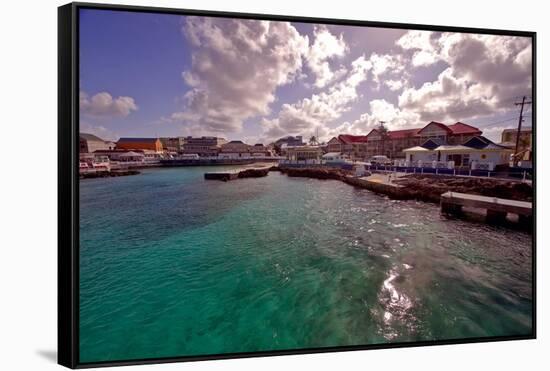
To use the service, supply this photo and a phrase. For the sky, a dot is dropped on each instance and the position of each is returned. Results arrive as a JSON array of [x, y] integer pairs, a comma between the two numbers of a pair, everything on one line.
[[157, 75]]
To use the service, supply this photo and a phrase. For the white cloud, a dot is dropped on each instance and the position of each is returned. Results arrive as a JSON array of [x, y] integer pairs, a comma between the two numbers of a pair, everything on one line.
[[386, 63], [421, 43], [310, 115], [104, 105], [388, 70], [484, 74], [500, 65], [325, 46], [236, 68], [441, 99], [394, 85], [379, 110]]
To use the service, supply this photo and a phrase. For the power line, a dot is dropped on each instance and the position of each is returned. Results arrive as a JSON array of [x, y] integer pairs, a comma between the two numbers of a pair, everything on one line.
[[487, 124], [498, 122], [481, 102]]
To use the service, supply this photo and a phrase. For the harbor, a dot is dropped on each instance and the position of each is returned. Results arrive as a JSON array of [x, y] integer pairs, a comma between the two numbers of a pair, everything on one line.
[[494, 207], [314, 260]]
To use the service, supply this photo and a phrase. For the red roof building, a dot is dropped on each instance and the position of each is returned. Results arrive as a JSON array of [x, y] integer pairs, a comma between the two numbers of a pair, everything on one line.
[[400, 134], [152, 144], [350, 139], [394, 141], [461, 128], [353, 146], [334, 145]]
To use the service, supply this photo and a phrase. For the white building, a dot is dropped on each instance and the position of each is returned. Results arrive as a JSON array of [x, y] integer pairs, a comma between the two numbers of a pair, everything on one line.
[[304, 154], [476, 153], [259, 150], [131, 156]]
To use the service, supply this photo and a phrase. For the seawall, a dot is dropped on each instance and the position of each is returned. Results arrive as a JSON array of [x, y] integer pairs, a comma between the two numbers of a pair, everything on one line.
[[428, 188]]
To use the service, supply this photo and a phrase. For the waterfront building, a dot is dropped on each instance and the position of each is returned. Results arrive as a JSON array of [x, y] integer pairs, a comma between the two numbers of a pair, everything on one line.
[[259, 150], [172, 144], [477, 152], [304, 153], [131, 156], [282, 150], [115, 154], [509, 137], [334, 145], [90, 143], [288, 141], [153, 144], [524, 156], [452, 134], [234, 149], [353, 146], [203, 146], [391, 143], [152, 157]]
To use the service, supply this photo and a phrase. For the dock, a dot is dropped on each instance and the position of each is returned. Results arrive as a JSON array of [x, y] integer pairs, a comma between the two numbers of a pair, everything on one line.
[[236, 174], [223, 176], [497, 208], [379, 183]]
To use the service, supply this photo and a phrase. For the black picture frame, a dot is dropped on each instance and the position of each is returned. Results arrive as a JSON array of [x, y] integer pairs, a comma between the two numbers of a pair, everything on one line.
[[68, 181]]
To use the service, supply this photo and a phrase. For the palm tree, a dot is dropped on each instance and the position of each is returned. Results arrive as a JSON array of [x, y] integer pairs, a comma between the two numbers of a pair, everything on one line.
[[313, 141]]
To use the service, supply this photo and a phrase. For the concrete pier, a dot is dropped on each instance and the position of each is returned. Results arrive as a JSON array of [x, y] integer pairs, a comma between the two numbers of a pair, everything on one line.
[[223, 176], [497, 208], [235, 174]]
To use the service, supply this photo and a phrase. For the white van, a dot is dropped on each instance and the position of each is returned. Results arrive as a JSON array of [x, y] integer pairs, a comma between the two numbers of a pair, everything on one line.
[[380, 160]]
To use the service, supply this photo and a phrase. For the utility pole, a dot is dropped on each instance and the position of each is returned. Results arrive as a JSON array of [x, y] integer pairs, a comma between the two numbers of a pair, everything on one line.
[[522, 104]]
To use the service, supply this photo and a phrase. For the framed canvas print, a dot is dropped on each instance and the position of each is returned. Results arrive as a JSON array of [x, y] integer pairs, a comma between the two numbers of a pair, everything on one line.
[[236, 185]]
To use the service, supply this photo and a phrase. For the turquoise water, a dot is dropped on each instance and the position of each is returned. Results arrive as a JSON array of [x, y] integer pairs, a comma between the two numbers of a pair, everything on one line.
[[172, 265]]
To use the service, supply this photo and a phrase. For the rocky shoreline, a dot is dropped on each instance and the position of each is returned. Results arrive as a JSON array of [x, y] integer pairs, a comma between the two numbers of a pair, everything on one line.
[[254, 173], [427, 188], [317, 173]]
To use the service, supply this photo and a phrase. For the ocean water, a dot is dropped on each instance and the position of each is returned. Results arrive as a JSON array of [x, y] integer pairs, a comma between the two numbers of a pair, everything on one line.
[[173, 265]]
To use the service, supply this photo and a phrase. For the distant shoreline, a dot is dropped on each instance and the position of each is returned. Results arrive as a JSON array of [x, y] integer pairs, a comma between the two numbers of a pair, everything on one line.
[[108, 174], [214, 162]]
